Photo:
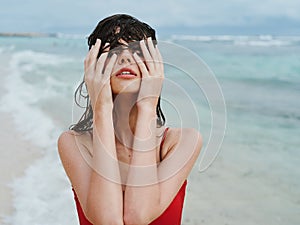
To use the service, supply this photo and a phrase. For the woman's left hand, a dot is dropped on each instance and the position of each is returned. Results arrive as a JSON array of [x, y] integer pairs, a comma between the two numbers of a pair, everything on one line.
[[152, 69]]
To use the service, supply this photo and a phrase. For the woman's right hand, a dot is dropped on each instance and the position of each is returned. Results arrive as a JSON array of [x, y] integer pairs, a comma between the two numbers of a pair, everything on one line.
[[97, 76]]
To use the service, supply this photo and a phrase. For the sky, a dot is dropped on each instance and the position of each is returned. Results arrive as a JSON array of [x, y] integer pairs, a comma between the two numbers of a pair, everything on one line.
[[186, 16]]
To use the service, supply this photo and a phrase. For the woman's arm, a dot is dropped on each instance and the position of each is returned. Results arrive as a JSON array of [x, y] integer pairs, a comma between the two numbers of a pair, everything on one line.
[[78, 165], [150, 187], [96, 180], [151, 190], [142, 192], [105, 197]]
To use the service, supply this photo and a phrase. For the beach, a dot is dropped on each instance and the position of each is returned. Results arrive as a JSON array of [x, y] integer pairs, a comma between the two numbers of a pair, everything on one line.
[[254, 179], [16, 155]]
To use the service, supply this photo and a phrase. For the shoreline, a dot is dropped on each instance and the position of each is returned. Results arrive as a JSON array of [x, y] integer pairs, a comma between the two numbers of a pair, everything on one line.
[[16, 156], [27, 34]]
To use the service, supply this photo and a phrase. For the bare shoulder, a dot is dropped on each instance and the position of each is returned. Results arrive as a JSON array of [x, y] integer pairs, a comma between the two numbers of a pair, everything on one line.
[[70, 140], [74, 155], [74, 151], [66, 141], [75, 160], [71, 134], [182, 137]]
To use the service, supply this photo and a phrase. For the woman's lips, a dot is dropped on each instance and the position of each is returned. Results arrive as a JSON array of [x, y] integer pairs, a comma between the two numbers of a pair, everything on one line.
[[126, 73]]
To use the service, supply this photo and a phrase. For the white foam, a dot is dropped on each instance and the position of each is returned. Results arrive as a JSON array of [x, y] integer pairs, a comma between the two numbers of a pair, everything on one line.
[[5, 49], [243, 40], [262, 43], [43, 195], [71, 36]]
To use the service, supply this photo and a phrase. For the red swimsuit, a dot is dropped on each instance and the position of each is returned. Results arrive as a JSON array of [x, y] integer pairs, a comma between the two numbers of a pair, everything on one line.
[[171, 216]]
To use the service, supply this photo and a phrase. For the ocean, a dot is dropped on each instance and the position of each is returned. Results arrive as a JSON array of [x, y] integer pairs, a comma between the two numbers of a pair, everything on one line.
[[253, 87]]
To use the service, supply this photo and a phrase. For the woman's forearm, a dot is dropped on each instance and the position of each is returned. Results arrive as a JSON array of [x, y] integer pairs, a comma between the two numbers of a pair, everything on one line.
[[105, 199], [142, 193]]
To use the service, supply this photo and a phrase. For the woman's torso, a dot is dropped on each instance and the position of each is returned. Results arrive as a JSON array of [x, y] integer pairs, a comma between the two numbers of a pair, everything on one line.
[[172, 215]]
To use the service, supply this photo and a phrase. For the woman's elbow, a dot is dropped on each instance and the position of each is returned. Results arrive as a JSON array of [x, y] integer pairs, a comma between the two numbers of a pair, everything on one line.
[[109, 222], [97, 218], [143, 213], [132, 220], [136, 218]]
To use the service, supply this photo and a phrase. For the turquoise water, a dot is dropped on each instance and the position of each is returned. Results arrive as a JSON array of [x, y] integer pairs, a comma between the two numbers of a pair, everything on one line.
[[259, 77]]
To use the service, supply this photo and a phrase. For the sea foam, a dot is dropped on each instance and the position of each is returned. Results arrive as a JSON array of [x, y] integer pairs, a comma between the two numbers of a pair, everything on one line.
[[44, 190], [243, 40]]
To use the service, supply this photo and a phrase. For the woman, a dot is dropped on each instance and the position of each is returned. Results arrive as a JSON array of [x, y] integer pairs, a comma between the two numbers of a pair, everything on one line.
[[124, 165]]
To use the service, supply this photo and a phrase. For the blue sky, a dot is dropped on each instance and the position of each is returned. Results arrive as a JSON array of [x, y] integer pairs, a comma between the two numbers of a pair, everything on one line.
[[186, 16]]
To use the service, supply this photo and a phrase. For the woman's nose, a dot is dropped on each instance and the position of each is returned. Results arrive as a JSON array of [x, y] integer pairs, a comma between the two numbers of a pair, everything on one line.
[[125, 57]]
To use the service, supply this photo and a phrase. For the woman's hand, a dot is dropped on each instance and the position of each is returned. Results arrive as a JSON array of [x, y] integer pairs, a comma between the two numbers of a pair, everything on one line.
[[97, 76], [152, 75]]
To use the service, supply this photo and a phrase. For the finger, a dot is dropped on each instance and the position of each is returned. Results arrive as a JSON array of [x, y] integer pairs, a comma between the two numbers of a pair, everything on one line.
[[109, 67], [101, 61], [160, 61], [89, 62], [93, 53], [147, 56], [158, 54], [86, 59], [141, 65], [155, 55], [151, 48], [101, 64]]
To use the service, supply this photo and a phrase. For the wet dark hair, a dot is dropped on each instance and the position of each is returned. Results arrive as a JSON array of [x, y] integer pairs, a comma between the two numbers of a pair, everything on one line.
[[111, 30]]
